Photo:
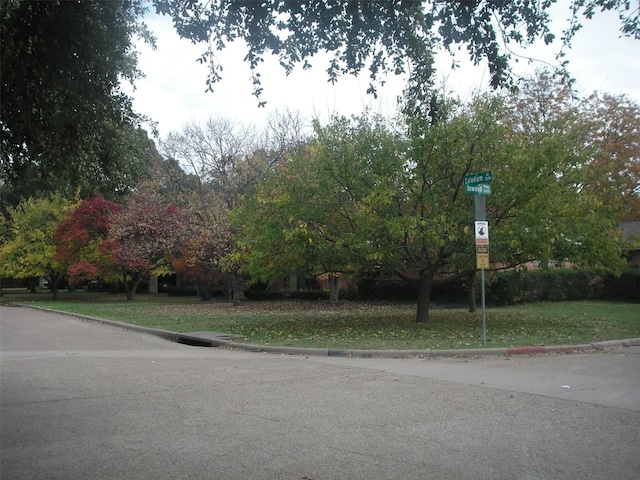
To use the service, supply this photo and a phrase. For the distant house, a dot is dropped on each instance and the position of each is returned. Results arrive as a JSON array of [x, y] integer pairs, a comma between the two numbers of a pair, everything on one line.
[[631, 232]]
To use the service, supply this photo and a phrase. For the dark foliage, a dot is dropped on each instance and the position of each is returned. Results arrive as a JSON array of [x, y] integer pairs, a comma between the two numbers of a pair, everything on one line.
[[512, 287], [65, 121]]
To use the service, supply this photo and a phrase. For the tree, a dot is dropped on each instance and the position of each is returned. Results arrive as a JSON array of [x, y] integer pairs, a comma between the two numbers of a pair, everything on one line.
[[401, 205], [65, 119], [198, 258], [381, 36], [220, 156], [201, 259], [79, 236], [224, 160], [314, 211], [142, 237], [537, 210], [615, 138], [30, 251]]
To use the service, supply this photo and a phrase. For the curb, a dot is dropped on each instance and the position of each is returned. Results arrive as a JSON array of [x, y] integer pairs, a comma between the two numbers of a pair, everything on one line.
[[198, 341]]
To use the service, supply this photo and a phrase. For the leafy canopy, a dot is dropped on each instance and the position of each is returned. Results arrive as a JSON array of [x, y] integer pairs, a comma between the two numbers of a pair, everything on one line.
[[31, 249], [367, 196], [65, 118], [79, 236], [381, 36], [225, 159], [142, 237]]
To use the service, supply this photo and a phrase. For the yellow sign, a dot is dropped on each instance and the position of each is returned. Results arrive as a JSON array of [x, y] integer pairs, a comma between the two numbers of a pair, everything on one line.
[[482, 261]]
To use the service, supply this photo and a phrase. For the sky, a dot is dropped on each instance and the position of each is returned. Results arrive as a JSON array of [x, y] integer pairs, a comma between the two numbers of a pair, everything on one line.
[[173, 91]]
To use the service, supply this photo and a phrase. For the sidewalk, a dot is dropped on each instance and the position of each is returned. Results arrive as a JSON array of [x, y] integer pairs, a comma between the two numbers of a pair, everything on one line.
[[218, 339]]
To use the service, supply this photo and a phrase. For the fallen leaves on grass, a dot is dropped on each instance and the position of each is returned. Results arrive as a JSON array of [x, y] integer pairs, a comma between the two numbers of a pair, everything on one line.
[[370, 325]]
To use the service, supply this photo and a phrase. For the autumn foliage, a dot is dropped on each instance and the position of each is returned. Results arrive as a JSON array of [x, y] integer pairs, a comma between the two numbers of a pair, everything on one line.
[[200, 259], [78, 237], [143, 236]]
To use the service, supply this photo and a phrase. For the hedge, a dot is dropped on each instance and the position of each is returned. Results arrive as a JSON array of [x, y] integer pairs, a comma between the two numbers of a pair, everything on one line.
[[526, 286], [501, 288]]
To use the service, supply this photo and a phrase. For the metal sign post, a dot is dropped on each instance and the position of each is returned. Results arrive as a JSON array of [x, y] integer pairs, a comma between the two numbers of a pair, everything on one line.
[[476, 185], [482, 240]]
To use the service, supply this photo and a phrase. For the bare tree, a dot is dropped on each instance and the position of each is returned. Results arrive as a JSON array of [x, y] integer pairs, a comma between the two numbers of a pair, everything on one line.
[[226, 160]]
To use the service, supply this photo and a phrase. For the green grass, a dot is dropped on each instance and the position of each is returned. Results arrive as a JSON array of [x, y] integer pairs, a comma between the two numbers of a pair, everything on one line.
[[359, 325]]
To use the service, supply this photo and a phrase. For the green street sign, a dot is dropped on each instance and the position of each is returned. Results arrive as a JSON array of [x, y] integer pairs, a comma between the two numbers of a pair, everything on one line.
[[478, 178], [480, 189]]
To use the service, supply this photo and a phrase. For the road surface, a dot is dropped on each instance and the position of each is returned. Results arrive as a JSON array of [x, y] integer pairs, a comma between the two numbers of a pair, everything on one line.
[[81, 400]]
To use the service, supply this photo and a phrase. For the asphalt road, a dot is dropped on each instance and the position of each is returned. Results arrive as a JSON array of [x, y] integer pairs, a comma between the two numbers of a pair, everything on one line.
[[80, 400]]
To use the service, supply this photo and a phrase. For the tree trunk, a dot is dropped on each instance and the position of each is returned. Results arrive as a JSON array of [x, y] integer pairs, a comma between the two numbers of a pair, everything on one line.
[[238, 288], [471, 291], [302, 279], [234, 284], [135, 284], [153, 283], [127, 288], [424, 296], [53, 283], [204, 290], [334, 288]]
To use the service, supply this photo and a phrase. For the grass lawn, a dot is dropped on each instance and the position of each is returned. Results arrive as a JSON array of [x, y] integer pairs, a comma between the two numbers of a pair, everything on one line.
[[359, 325]]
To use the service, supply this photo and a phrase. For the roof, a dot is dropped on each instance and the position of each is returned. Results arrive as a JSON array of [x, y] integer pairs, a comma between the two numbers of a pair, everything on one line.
[[630, 229]]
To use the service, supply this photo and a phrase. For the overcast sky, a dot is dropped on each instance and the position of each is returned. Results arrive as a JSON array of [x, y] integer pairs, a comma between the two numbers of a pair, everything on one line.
[[173, 92]]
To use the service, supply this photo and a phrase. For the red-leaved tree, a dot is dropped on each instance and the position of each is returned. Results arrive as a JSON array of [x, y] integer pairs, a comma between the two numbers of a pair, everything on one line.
[[78, 236], [143, 237]]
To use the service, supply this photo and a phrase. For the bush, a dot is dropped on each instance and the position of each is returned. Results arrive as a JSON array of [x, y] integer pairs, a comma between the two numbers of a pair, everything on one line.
[[174, 291], [502, 288], [453, 292], [192, 291], [626, 287], [509, 287], [563, 284], [264, 295], [385, 289]]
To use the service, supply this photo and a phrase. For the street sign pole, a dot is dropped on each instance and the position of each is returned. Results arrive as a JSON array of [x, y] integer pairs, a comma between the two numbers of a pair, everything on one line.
[[481, 215], [478, 184], [484, 310], [481, 207]]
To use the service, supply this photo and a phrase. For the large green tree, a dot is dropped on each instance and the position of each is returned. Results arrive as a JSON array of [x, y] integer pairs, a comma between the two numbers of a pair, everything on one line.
[[66, 123], [382, 36], [396, 198], [317, 211]]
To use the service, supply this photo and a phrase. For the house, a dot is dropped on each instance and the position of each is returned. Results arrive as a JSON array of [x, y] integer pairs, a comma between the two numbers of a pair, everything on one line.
[[631, 233]]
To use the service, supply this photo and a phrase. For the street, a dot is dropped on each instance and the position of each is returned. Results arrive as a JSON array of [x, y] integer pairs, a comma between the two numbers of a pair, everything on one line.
[[81, 400]]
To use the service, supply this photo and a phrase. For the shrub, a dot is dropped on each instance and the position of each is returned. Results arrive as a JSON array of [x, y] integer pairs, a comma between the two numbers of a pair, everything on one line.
[[625, 287], [174, 291], [563, 284]]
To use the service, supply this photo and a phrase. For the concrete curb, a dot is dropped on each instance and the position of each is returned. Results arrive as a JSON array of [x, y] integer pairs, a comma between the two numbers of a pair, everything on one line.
[[199, 341]]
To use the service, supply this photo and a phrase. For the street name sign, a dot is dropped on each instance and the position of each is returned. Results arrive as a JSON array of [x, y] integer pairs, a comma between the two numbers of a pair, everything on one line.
[[478, 178], [478, 189]]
